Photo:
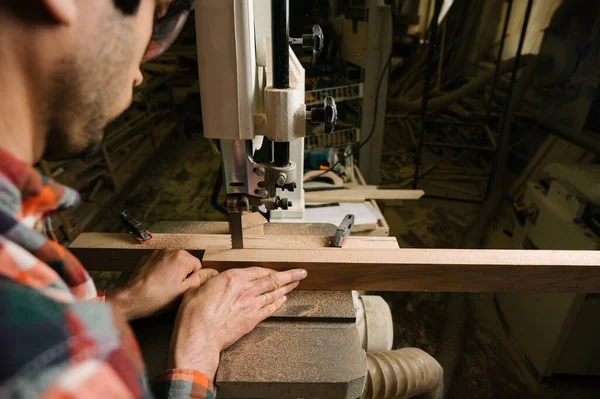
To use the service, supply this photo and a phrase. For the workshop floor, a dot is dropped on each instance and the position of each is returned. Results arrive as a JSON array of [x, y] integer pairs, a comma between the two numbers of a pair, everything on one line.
[[178, 184]]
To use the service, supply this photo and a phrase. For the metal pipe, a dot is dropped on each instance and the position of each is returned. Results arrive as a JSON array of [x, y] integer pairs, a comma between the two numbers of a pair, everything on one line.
[[402, 374], [504, 123], [499, 59], [427, 87], [280, 43]]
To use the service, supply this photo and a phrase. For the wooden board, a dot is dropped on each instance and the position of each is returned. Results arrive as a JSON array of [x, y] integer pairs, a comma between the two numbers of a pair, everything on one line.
[[252, 220], [361, 194], [120, 252], [382, 228], [335, 179], [442, 270]]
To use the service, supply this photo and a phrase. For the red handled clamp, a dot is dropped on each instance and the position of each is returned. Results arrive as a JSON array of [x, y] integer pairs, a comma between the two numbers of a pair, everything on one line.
[[135, 227], [343, 231]]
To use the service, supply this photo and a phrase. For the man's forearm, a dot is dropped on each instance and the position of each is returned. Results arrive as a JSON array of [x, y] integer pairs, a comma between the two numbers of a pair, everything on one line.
[[121, 299], [205, 360]]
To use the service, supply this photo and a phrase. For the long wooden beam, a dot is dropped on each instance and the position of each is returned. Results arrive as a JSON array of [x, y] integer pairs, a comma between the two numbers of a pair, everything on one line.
[[367, 263], [120, 252], [361, 194], [451, 270]]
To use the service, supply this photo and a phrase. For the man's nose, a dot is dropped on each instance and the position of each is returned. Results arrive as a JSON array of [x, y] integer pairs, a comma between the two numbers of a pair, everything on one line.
[[138, 79]]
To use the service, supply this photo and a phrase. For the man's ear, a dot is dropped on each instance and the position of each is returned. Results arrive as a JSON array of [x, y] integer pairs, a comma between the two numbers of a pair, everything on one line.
[[64, 11]]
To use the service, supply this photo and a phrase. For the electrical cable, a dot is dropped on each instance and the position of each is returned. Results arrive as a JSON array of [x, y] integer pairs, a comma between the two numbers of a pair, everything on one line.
[[371, 133]]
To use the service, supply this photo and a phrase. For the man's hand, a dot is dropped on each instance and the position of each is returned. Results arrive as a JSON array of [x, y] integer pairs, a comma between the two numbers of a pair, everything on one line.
[[224, 309], [157, 282]]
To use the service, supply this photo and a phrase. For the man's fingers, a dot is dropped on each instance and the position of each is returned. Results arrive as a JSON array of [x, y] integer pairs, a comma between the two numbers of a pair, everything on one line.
[[273, 296], [268, 310], [198, 278], [187, 260], [255, 273], [275, 280]]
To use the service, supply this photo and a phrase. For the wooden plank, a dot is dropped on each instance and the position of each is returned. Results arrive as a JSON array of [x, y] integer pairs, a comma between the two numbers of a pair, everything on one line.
[[443, 270], [204, 241], [335, 179], [120, 252], [361, 194], [253, 220], [382, 228], [204, 227]]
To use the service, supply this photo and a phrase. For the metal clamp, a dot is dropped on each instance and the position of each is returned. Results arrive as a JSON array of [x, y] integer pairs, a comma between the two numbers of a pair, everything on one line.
[[135, 227]]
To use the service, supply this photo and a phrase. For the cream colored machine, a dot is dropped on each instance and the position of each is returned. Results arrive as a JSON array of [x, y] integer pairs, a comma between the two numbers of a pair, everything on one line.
[[252, 89]]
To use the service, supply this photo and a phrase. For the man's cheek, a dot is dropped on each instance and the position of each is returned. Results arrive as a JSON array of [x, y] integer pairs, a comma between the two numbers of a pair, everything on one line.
[[121, 104]]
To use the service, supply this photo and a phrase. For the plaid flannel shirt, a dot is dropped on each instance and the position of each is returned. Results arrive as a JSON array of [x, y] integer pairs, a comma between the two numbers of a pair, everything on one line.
[[57, 341]]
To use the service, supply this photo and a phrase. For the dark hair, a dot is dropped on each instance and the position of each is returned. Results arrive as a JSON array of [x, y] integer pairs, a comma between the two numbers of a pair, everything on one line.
[[128, 7]]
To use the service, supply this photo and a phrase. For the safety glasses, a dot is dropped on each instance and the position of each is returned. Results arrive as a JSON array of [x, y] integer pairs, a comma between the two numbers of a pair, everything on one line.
[[170, 19]]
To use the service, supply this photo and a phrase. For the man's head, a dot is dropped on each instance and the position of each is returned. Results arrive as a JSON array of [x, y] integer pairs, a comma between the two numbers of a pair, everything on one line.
[[83, 57]]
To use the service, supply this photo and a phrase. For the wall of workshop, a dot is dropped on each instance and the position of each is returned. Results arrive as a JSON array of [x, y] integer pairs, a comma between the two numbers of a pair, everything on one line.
[[491, 20], [541, 13]]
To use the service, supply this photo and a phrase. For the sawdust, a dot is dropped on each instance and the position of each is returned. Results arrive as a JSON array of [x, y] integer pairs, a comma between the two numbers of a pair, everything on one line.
[[318, 304], [310, 312], [269, 338]]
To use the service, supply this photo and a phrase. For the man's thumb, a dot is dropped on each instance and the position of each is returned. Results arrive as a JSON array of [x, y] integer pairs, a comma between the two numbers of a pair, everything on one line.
[[199, 277]]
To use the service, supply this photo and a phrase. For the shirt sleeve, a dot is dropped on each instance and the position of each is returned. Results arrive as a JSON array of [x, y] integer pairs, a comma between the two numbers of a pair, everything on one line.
[[177, 383], [78, 350], [171, 384], [182, 384], [101, 296]]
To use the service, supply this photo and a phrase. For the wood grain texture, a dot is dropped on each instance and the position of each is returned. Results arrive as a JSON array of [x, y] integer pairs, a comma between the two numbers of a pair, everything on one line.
[[252, 220], [441, 270], [361, 194], [335, 179], [120, 252]]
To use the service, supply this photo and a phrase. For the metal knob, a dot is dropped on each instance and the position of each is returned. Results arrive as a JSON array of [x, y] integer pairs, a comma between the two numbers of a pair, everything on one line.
[[326, 115], [312, 40], [282, 203]]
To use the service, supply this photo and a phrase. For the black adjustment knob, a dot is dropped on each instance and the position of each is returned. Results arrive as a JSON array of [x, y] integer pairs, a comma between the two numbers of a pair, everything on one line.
[[282, 203], [326, 115], [312, 41], [289, 186]]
